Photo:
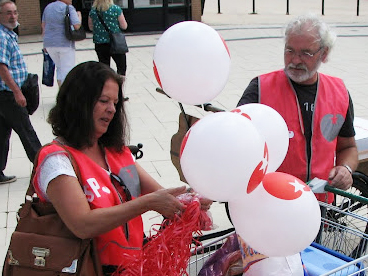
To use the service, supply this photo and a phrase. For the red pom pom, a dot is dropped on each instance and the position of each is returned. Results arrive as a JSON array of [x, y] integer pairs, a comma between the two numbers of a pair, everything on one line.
[[168, 251]]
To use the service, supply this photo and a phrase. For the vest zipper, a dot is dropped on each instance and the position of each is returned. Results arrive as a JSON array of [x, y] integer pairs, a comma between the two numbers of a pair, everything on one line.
[[309, 162], [301, 124]]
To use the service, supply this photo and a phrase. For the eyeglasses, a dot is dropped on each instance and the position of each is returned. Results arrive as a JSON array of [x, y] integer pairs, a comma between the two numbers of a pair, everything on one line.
[[305, 55], [8, 13], [114, 177]]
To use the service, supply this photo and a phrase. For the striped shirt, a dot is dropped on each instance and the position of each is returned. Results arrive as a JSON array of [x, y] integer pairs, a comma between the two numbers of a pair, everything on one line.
[[10, 56]]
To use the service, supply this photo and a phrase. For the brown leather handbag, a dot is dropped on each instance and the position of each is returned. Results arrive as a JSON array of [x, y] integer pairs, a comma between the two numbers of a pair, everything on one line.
[[42, 245]]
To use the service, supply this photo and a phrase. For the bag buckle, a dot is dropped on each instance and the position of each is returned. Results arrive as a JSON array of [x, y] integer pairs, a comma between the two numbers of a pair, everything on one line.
[[40, 254], [12, 260]]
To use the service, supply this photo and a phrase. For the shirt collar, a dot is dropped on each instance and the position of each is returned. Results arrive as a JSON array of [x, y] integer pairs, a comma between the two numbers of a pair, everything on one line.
[[9, 32]]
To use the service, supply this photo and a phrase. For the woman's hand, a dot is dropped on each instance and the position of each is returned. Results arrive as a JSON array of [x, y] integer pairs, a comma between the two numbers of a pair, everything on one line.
[[205, 203], [164, 201]]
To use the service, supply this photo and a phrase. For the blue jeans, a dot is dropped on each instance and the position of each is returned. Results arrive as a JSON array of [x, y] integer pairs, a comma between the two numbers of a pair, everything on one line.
[[13, 116]]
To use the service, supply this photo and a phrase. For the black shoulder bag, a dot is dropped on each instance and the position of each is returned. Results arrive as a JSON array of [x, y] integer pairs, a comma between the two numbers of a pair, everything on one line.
[[118, 43], [70, 32], [31, 92]]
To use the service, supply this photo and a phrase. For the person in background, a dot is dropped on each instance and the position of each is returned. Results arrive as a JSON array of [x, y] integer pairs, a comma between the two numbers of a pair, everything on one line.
[[13, 73], [89, 120], [317, 109], [60, 49], [114, 19]]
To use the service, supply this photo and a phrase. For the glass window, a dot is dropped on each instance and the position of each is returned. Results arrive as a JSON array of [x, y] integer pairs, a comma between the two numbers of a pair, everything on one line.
[[121, 3], [156, 3]]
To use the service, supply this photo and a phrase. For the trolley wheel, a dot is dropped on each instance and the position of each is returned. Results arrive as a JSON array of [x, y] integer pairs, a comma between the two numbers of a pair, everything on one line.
[[353, 247]]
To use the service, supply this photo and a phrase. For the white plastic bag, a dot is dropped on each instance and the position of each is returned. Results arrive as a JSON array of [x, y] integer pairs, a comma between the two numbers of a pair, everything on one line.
[[277, 266]]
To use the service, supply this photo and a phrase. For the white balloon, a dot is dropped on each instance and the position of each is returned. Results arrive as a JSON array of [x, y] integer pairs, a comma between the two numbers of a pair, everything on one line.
[[191, 62], [279, 218], [220, 154], [272, 126]]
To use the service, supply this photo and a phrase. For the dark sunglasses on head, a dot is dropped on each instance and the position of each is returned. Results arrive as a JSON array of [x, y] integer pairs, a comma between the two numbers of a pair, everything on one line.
[[116, 178]]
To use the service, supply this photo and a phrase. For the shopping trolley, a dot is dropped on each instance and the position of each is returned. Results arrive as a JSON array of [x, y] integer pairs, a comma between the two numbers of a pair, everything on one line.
[[332, 253], [341, 245]]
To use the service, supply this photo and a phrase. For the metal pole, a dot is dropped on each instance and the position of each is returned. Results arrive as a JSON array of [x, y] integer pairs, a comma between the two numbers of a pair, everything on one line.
[[323, 7], [254, 7], [218, 6], [287, 7], [357, 7]]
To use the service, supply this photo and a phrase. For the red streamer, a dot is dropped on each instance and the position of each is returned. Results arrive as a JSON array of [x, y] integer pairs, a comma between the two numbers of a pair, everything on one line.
[[168, 251]]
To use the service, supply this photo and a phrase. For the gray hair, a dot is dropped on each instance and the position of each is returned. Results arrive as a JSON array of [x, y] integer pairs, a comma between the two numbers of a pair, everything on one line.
[[3, 2], [309, 22]]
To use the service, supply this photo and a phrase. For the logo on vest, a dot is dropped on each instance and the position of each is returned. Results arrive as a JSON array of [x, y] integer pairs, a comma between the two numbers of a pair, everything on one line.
[[291, 134], [93, 184], [331, 125]]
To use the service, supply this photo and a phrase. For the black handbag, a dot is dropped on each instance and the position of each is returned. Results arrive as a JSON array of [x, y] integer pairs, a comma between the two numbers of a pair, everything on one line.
[[118, 43], [31, 92], [48, 69], [70, 32]]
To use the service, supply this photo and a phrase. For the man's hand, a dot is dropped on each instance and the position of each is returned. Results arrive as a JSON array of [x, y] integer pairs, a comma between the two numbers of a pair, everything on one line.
[[340, 178], [20, 99], [9, 81]]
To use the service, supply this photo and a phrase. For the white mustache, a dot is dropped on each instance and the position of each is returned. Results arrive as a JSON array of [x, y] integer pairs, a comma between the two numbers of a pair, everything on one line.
[[298, 66]]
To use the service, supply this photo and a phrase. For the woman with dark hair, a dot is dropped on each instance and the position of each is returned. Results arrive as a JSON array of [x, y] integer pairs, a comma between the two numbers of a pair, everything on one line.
[[90, 123]]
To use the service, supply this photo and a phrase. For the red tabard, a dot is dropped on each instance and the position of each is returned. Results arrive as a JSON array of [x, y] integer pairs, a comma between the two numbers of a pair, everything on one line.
[[101, 193], [331, 105]]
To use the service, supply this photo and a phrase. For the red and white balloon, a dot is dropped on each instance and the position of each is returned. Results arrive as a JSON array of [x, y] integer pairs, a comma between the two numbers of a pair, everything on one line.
[[272, 126], [221, 154], [281, 217], [191, 62]]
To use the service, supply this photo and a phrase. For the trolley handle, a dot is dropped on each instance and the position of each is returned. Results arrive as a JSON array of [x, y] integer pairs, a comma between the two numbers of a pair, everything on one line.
[[319, 186], [343, 193]]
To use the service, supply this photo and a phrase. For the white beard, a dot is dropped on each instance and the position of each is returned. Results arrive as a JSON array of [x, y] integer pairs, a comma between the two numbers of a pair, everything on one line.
[[11, 26], [306, 75]]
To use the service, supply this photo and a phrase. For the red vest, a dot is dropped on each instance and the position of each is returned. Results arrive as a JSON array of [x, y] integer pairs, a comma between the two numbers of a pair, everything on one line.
[[331, 105], [101, 193]]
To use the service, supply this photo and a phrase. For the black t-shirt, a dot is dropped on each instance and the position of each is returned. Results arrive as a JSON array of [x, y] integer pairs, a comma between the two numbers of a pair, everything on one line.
[[306, 95]]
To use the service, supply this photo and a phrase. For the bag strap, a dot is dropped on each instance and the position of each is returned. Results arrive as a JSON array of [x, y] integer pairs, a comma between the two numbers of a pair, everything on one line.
[[67, 11], [31, 191], [103, 22]]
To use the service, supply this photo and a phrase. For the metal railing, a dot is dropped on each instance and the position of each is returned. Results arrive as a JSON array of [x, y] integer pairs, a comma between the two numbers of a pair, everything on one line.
[[287, 7]]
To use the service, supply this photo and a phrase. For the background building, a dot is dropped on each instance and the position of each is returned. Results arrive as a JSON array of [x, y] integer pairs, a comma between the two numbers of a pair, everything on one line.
[[141, 15]]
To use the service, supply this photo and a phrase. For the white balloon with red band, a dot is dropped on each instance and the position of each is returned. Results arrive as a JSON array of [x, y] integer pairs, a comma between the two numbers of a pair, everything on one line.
[[272, 126], [221, 154], [191, 62], [281, 217]]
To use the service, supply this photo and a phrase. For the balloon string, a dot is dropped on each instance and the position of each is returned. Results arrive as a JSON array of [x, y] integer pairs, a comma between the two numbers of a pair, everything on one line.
[[168, 251]]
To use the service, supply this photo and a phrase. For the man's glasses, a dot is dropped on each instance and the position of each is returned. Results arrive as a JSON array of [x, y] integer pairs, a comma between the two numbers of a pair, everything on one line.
[[117, 179], [305, 55], [9, 13]]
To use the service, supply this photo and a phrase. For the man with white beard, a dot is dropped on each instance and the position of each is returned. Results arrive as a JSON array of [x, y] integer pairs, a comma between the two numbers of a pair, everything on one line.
[[13, 73], [317, 108], [318, 111]]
